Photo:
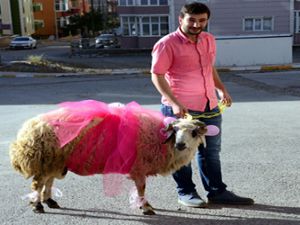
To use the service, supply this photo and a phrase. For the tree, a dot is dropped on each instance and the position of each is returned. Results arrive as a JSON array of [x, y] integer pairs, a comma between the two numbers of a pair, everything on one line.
[[91, 21]]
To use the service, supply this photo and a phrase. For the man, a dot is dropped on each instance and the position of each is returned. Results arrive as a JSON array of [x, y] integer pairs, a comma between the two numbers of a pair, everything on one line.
[[183, 72]]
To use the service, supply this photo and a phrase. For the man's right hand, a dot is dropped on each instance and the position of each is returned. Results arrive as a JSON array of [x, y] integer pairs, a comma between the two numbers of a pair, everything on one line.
[[179, 110]]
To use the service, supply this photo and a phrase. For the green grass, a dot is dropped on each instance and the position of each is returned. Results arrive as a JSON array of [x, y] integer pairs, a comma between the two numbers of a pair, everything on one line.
[[36, 59]]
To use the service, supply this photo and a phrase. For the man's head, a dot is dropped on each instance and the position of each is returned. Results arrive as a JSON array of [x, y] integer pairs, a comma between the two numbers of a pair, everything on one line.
[[193, 18]]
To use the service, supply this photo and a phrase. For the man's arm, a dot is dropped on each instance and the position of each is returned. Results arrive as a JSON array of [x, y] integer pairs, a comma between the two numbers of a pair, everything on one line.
[[219, 84], [164, 89]]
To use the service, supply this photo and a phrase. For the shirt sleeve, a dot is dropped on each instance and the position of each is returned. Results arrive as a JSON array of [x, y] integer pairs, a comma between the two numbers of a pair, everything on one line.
[[162, 58], [212, 49]]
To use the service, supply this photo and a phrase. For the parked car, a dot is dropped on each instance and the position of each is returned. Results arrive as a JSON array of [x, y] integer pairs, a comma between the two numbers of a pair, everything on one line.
[[107, 41], [23, 42]]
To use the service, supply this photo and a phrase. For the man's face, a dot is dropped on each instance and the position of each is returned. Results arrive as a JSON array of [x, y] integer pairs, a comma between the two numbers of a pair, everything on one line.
[[193, 24]]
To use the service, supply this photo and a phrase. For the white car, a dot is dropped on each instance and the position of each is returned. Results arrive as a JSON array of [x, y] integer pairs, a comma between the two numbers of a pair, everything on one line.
[[23, 42]]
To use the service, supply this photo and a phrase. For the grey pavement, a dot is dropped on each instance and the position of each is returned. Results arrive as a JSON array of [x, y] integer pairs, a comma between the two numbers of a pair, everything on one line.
[[260, 154]]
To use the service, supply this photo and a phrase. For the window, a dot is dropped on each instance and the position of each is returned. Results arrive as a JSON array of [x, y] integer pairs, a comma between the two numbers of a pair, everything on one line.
[[122, 2], [63, 21], [142, 2], [61, 5], [127, 2], [258, 24], [145, 25], [163, 2], [130, 27], [39, 24], [297, 21], [37, 7]]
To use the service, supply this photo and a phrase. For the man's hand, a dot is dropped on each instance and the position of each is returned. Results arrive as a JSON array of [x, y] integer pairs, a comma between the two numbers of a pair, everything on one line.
[[227, 100], [225, 97], [179, 110]]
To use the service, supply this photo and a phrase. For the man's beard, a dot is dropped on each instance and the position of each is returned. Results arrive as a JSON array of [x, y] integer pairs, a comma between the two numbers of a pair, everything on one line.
[[193, 31]]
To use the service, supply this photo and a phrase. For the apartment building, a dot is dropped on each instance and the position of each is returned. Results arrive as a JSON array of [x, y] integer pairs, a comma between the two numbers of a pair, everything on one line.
[[16, 17], [247, 32], [51, 16], [5, 18]]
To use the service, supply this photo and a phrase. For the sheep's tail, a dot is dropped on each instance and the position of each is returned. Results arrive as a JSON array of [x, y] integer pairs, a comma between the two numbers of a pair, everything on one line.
[[15, 160]]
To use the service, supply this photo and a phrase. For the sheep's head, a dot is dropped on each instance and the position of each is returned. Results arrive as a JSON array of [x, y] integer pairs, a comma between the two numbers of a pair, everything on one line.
[[189, 134]]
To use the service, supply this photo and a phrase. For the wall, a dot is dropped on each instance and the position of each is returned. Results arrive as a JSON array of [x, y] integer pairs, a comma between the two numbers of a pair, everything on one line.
[[6, 17], [246, 51], [48, 16]]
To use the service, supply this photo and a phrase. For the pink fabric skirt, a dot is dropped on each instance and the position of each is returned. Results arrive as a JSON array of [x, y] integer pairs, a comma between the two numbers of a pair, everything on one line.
[[110, 145]]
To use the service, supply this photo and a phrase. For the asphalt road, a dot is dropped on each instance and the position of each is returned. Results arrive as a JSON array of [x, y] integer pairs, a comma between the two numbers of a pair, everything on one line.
[[260, 155]]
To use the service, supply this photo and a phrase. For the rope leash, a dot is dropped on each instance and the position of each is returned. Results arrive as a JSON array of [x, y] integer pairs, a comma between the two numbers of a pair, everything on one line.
[[207, 115]]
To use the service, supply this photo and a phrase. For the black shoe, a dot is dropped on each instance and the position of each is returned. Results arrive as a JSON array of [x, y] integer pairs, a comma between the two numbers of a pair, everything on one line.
[[229, 198]]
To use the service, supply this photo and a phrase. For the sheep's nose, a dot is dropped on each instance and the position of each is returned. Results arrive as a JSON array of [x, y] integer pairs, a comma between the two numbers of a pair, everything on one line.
[[180, 146]]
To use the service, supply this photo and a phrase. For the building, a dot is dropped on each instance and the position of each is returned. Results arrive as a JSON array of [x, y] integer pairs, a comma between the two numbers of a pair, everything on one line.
[[105, 6], [6, 27], [16, 17], [247, 32], [51, 16]]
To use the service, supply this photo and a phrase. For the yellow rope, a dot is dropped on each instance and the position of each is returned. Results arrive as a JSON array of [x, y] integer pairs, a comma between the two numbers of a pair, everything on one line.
[[207, 115]]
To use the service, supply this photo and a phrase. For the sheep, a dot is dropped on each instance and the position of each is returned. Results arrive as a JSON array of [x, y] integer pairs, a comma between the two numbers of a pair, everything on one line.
[[38, 152]]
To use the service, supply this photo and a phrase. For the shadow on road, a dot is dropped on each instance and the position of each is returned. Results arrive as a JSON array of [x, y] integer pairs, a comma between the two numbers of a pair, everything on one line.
[[208, 216]]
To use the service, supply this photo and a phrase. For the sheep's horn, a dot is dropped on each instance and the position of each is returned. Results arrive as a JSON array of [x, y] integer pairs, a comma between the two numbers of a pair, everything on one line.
[[203, 140], [199, 123]]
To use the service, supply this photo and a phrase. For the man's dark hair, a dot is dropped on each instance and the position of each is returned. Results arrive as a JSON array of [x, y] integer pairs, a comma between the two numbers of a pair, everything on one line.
[[194, 8]]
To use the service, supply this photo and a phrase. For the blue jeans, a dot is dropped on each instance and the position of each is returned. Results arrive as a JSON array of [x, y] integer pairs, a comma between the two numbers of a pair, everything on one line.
[[208, 159]]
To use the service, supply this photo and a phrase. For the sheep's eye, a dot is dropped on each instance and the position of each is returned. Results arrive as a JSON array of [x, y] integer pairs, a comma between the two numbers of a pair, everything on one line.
[[194, 133], [176, 129]]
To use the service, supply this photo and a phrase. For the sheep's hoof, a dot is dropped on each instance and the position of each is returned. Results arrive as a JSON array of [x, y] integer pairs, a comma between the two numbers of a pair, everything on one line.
[[149, 206], [51, 203], [148, 212], [147, 209], [38, 208]]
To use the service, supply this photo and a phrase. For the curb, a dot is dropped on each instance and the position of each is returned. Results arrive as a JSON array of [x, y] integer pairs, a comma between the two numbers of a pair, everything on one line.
[[144, 71], [91, 72]]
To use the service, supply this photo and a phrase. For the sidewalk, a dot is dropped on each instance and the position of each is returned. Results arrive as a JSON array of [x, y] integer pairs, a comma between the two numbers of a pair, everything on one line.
[[132, 69]]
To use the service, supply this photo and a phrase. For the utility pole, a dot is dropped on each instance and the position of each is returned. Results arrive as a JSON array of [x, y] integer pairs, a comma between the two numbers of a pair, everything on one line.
[[93, 17], [55, 19]]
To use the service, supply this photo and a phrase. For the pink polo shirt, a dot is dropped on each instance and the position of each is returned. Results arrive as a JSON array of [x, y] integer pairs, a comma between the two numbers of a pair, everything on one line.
[[187, 67]]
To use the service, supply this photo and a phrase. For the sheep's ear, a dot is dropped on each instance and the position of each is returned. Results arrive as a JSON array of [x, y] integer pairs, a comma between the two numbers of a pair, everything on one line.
[[171, 135], [201, 130], [169, 131], [170, 126]]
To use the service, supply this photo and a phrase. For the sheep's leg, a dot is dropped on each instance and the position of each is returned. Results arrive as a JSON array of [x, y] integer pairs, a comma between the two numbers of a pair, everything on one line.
[[46, 194], [141, 187], [37, 186]]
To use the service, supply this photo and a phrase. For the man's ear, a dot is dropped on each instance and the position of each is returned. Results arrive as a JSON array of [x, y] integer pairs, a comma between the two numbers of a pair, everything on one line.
[[179, 20]]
